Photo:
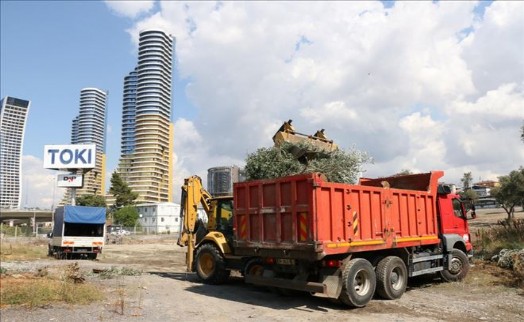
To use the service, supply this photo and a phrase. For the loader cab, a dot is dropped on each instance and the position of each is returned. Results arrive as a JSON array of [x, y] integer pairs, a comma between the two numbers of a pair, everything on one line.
[[221, 218], [453, 215]]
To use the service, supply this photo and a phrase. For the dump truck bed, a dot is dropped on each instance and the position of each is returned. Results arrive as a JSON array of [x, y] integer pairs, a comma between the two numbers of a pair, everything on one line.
[[306, 217]]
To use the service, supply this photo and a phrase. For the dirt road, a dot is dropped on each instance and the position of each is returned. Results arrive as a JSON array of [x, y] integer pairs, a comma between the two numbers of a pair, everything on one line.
[[165, 292]]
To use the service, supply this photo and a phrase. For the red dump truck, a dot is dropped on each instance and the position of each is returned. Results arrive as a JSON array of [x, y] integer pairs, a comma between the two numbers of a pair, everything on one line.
[[335, 240]]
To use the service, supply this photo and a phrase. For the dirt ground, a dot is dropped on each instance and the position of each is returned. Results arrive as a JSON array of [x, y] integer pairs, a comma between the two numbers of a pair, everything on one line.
[[165, 292]]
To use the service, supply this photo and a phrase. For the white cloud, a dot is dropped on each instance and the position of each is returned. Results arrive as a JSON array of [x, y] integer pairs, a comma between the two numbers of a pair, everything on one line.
[[39, 184], [395, 82], [130, 9], [420, 86]]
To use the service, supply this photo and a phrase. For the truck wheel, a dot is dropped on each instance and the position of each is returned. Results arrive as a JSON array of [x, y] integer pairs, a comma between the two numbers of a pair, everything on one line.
[[92, 256], [254, 267], [359, 282], [210, 265], [392, 278], [458, 268]]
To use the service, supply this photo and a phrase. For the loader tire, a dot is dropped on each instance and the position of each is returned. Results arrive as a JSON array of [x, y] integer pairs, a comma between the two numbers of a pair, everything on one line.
[[458, 268], [210, 265], [392, 278], [359, 283]]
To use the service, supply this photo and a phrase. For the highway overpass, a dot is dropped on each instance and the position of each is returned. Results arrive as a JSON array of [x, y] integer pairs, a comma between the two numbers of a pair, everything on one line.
[[12, 216]]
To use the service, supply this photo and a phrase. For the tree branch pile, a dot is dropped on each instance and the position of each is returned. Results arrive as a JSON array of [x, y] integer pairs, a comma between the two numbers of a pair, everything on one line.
[[291, 159]]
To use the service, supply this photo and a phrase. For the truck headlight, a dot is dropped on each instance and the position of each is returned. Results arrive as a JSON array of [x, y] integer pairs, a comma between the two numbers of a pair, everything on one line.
[[466, 237]]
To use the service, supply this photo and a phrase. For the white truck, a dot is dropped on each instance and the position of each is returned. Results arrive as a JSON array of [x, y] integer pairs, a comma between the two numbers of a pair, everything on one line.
[[78, 232]]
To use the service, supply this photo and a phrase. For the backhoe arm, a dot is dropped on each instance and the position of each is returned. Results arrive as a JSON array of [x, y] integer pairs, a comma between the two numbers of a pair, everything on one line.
[[193, 194]]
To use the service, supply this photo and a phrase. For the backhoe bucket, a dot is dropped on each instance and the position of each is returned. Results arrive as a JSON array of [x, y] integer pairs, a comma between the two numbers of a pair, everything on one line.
[[287, 133]]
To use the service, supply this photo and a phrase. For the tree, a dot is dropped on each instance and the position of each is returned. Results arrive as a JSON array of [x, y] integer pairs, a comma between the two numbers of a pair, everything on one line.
[[469, 195], [91, 201], [466, 180], [510, 193], [124, 196], [290, 159], [126, 216]]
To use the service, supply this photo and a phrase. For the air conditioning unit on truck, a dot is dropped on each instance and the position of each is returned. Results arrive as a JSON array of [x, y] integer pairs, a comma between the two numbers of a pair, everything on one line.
[[78, 232], [333, 240]]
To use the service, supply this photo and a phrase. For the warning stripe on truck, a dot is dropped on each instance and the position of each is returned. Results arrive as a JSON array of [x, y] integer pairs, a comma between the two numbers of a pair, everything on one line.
[[355, 223], [411, 239], [356, 243], [242, 229], [302, 219]]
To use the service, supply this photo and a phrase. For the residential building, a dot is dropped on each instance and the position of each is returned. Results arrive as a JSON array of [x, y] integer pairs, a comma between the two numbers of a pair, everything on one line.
[[162, 218], [146, 161], [90, 127], [13, 118]]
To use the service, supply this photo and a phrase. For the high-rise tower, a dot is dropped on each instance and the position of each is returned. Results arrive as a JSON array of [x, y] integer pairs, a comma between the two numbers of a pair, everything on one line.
[[13, 118], [129, 114], [90, 127], [146, 162]]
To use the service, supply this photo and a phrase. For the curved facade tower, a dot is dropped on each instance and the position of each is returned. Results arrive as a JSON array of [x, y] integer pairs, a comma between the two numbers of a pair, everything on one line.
[[89, 127], [13, 118], [129, 114], [148, 168]]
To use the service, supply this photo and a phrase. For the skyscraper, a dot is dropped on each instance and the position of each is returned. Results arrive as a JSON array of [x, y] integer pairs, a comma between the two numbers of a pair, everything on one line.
[[146, 162], [13, 118], [129, 113], [90, 127]]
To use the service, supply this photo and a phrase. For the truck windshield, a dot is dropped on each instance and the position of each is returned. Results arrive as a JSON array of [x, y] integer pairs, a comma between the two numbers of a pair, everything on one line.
[[83, 230]]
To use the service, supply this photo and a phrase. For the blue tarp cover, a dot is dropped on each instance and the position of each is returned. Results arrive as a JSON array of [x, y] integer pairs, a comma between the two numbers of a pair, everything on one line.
[[84, 215]]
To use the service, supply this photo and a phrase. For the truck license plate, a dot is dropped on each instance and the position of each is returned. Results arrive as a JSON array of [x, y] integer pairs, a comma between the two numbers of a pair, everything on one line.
[[285, 261]]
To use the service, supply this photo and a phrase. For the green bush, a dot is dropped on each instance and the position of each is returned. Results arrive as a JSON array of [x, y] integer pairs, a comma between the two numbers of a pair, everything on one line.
[[506, 234]]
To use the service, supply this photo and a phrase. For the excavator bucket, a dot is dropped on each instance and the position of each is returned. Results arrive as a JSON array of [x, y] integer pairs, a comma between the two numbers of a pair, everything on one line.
[[287, 133]]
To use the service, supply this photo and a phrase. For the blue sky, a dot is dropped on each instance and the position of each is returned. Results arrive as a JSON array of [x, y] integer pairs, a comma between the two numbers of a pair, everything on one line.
[[419, 85], [53, 49]]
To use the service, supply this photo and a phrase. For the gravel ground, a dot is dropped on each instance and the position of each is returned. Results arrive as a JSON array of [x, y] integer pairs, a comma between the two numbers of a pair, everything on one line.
[[164, 292]]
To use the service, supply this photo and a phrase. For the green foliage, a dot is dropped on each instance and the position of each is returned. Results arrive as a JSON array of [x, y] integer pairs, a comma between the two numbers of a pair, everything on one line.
[[124, 196], [466, 180], [91, 201], [337, 166], [510, 193], [126, 216], [507, 234], [470, 195]]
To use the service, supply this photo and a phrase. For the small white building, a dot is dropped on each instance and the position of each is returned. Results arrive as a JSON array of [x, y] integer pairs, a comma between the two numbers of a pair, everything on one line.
[[162, 218]]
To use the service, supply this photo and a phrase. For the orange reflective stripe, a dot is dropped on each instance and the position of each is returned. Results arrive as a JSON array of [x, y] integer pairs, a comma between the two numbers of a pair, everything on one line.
[[243, 227], [302, 219]]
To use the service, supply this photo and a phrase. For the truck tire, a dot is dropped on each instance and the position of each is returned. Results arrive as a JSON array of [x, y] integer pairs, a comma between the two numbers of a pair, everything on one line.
[[254, 266], [458, 268], [392, 278], [210, 265], [359, 283]]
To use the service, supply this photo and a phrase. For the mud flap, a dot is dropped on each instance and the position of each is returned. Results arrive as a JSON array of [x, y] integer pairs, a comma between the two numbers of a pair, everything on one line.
[[332, 287]]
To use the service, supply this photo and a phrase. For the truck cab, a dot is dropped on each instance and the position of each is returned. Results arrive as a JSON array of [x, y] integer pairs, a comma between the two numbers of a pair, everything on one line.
[[452, 218]]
